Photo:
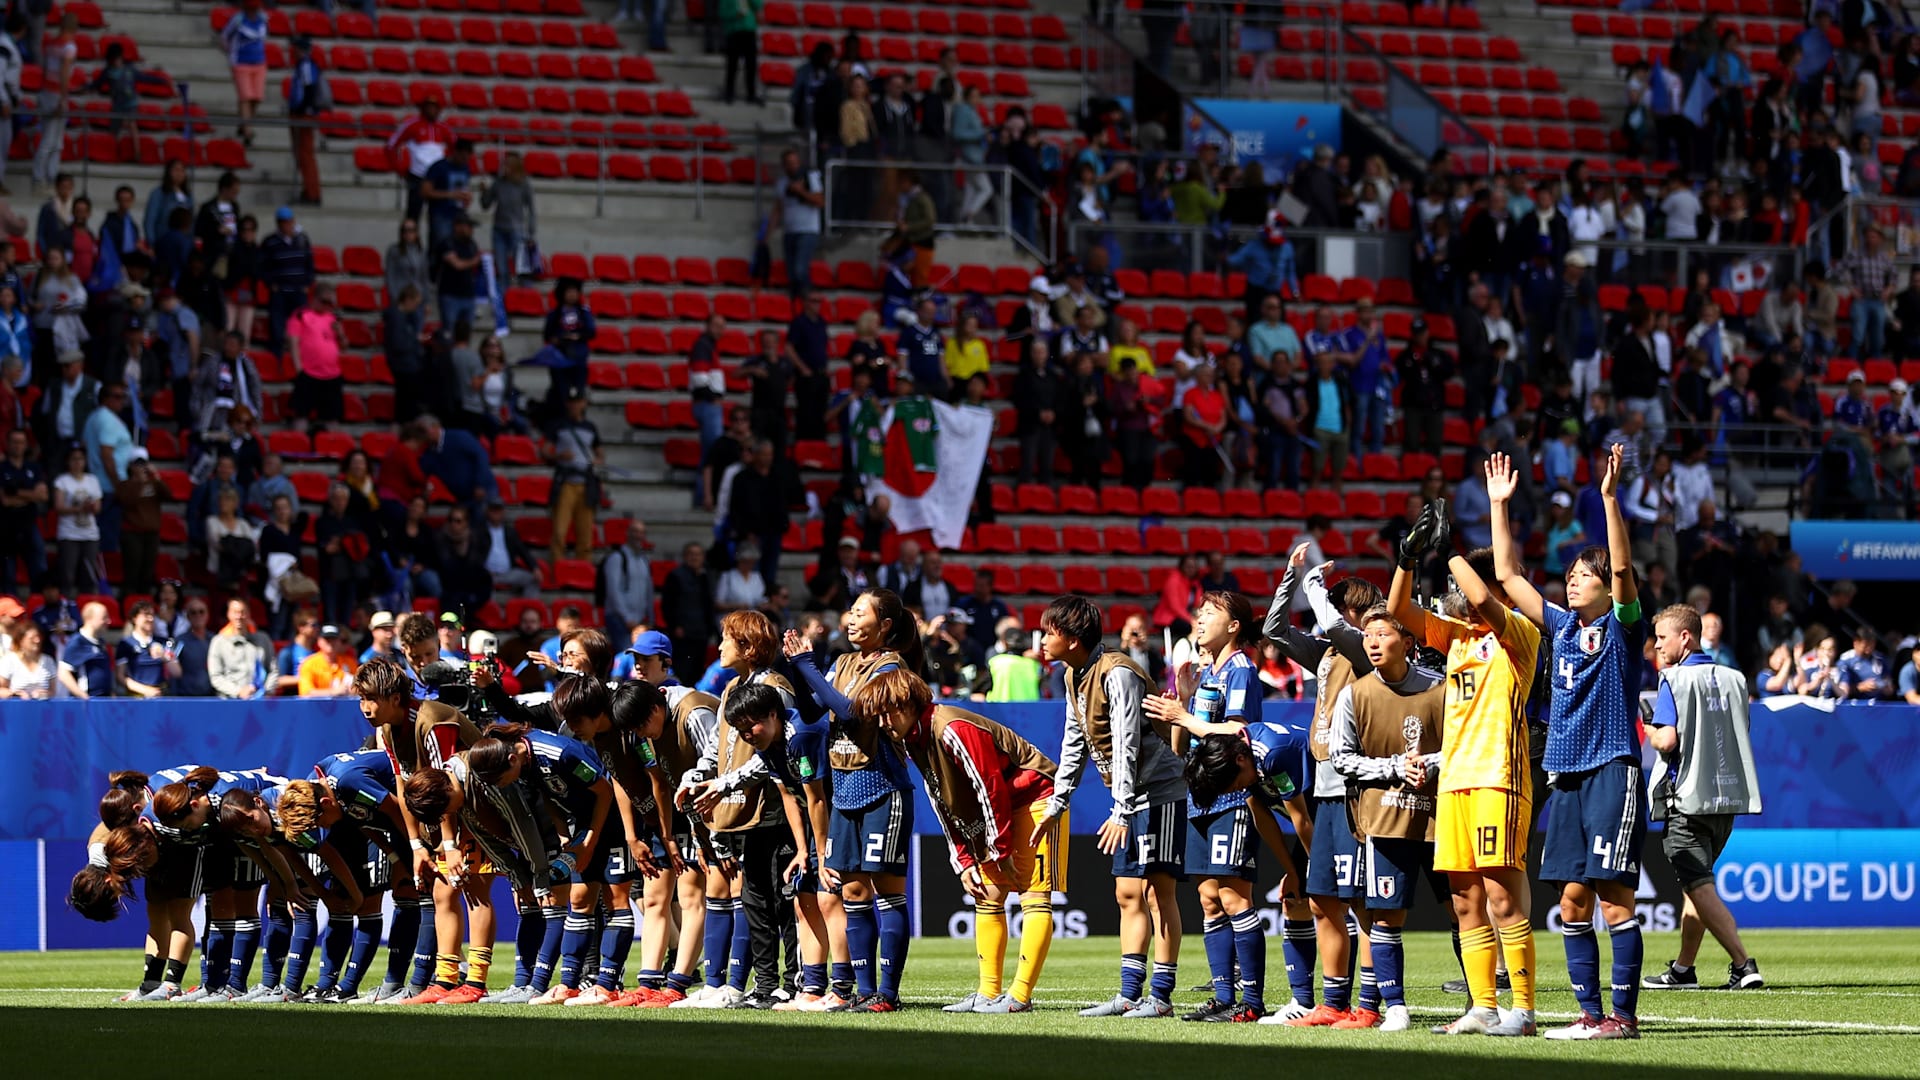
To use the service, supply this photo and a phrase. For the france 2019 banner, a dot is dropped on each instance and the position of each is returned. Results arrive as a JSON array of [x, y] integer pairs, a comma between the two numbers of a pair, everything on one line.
[[1277, 134]]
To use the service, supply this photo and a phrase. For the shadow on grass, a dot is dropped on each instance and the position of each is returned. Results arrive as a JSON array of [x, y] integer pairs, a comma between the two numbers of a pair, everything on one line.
[[63, 1042]]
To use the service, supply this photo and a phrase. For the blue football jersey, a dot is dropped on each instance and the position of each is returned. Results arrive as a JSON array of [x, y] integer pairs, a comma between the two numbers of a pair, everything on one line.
[[1596, 690], [1283, 761], [1238, 684], [799, 757], [568, 769], [360, 782]]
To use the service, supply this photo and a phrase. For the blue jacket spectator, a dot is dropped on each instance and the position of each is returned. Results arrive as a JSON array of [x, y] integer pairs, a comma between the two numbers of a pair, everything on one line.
[[461, 463]]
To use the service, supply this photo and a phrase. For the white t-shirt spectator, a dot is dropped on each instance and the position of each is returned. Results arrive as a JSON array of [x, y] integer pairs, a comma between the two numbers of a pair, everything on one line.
[[795, 215], [1866, 110], [78, 489], [738, 590], [25, 681], [1682, 208]]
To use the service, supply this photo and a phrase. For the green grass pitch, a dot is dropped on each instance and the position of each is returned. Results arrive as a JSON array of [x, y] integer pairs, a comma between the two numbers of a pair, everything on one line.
[[1840, 1003]]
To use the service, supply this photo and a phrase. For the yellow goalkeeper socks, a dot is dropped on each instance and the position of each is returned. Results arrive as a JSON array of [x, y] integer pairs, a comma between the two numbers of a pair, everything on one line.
[[1036, 937], [1516, 942], [990, 944], [446, 969], [479, 960], [1479, 956]]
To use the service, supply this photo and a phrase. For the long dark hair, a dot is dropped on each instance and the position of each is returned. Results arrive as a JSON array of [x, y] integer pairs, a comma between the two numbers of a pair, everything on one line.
[[175, 801]]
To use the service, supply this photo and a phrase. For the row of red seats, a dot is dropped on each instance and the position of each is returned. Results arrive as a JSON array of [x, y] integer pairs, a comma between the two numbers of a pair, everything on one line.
[[1753, 9], [589, 165], [1763, 34], [101, 148], [480, 64], [470, 30], [897, 20], [511, 96]]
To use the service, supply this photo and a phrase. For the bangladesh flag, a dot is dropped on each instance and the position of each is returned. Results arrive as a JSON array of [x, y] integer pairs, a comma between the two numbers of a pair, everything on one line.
[[913, 442]]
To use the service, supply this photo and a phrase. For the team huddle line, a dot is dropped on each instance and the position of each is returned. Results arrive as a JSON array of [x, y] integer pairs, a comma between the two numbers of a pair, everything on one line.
[[764, 831]]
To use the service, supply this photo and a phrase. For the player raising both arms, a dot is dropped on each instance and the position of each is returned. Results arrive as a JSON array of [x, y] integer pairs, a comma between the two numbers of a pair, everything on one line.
[[1596, 818], [989, 787], [1222, 700], [1485, 810], [1146, 831]]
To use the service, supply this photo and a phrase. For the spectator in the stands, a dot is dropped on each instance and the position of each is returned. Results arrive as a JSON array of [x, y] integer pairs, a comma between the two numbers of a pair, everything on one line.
[[570, 329], [928, 590], [802, 199], [741, 587], [27, 672], [139, 497], [1423, 371], [77, 501], [1083, 415], [217, 224], [507, 557], [403, 336], [455, 457], [1872, 280], [143, 665], [1204, 420], [686, 606], [1036, 398], [1862, 673], [515, 222], [329, 671], [574, 449], [315, 340], [446, 189], [170, 194], [808, 336], [459, 282], [470, 407], [1780, 316], [24, 496], [627, 574], [1267, 259], [451, 633], [903, 571], [1822, 312], [413, 553], [415, 146], [246, 271], [722, 454], [406, 262], [286, 269], [1271, 333], [86, 665], [1034, 321], [344, 549], [380, 643], [740, 25], [923, 350], [966, 353], [984, 609], [465, 584], [757, 508], [60, 302], [53, 229], [1371, 377]]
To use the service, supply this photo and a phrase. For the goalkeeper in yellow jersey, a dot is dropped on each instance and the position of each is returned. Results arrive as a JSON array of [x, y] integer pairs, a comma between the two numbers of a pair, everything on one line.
[[1485, 811]]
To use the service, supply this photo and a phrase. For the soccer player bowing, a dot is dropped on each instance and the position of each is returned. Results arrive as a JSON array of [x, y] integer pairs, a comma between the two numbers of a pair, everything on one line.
[[1239, 771], [1146, 832], [1485, 809], [989, 788], [1596, 817], [1220, 700], [1700, 727], [1385, 739]]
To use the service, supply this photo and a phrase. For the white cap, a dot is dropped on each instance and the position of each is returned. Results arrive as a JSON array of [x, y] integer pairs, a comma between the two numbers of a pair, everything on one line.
[[1898, 386], [1856, 375], [1561, 498], [1574, 258], [1040, 284]]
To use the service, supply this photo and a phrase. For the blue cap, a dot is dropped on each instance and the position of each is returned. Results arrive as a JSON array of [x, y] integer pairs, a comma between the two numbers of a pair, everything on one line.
[[285, 213], [652, 643]]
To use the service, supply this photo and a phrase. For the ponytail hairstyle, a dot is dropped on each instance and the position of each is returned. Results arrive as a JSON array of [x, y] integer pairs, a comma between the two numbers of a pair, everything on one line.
[[299, 811], [171, 804], [428, 794], [491, 757], [580, 696], [131, 852], [125, 797], [236, 812], [903, 636], [96, 894], [1213, 763]]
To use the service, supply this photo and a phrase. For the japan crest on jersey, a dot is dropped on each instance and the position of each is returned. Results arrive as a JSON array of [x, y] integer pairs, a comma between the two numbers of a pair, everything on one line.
[[1591, 638], [1484, 650]]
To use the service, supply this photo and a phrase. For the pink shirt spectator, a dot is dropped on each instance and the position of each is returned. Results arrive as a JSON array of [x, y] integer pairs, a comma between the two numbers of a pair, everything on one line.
[[319, 349]]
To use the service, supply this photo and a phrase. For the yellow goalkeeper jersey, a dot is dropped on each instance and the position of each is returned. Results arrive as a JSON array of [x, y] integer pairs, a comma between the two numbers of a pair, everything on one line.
[[1483, 743]]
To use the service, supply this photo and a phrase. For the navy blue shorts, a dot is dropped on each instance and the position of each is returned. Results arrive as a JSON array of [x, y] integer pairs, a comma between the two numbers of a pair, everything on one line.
[[872, 839], [592, 870], [1156, 842], [683, 838], [1394, 870], [1596, 825], [227, 866], [1337, 866], [178, 874], [366, 863], [1223, 845], [620, 866]]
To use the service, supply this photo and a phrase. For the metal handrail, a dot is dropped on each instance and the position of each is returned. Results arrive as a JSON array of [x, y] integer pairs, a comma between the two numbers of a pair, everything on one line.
[[1039, 247], [1399, 82]]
